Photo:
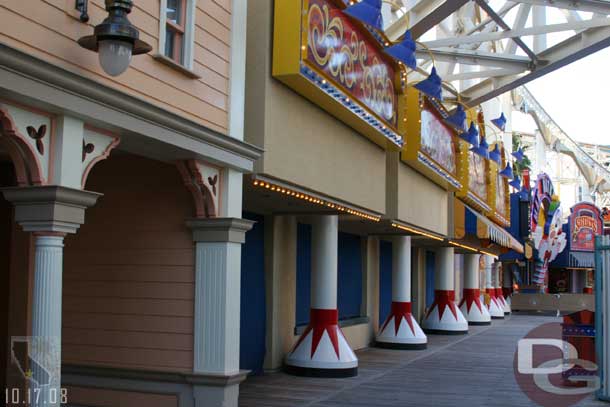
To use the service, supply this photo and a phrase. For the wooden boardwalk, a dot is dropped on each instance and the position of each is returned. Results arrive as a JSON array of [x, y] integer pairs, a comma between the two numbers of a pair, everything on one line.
[[472, 370]]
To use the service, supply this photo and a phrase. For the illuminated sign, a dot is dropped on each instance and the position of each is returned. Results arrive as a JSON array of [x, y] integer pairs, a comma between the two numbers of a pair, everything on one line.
[[339, 65], [474, 175], [585, 224], [432, 146]]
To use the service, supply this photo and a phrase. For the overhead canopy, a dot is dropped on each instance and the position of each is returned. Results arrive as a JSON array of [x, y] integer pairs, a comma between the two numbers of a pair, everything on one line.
[[489, 48], [469, 223]]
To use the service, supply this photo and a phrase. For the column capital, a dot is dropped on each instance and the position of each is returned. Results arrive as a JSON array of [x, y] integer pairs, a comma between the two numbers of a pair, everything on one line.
[[50, 208], [220, 229]]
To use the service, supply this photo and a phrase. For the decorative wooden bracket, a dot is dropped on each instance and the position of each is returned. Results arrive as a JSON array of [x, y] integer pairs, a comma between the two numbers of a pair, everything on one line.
[[203, 180]]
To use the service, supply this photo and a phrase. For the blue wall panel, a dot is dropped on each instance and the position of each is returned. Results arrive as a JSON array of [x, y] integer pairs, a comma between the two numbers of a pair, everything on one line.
[[303, 273], [385, 279], [350, 276], [253, 309], [430, 260]]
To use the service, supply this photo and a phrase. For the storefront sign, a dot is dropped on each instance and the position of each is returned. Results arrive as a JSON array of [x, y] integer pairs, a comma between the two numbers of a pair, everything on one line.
[[477, 171], [501, 197], [437, 141], [585, 224], [432, 146], [339, 65]]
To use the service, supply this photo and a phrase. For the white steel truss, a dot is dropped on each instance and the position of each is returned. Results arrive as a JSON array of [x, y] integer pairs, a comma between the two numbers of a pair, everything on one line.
[[493, 38]]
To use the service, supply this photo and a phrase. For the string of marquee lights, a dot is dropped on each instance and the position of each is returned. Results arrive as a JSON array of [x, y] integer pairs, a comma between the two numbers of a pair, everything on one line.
[[439, 238], [296, 193]]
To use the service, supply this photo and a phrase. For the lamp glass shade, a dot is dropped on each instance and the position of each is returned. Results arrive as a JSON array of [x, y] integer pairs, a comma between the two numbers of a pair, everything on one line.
[[519, 155], [507, 172], [500, 122], [482, 149], [404, 51], [367, 12], [431, 86], [458, 119], [471, 136], [495, 154], [115, 56], [515, 183]]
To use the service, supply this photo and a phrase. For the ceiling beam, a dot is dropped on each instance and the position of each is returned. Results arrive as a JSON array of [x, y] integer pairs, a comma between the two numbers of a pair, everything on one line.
[[413, 12], [469, 57], [464, 76], [495, 36], [560, 55], [594, 6], [502, 24], [520, 21], [435, 16]]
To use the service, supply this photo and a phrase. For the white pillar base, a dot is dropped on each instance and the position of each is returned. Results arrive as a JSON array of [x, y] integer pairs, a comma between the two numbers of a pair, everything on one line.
[[474, 310], [444, 317], [322, 350], [507, 302], [496, 308], [400, 330]]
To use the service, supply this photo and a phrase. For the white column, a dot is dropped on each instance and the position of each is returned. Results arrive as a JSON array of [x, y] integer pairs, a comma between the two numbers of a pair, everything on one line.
[[445, 267], [444, 316], [471, 271], [400, 330], [46, 319], [322, 350], [401, 269], [217, 309], [489, 284], [217, 293], [471, 306], [496, 307], [50, 212], [324, 252]]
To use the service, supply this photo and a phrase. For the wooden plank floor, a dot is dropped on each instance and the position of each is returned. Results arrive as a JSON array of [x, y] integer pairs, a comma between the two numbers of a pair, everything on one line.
[[473, 370]]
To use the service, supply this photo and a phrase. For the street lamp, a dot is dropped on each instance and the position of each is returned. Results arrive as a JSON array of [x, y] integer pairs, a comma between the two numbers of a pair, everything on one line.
[[115, 39]]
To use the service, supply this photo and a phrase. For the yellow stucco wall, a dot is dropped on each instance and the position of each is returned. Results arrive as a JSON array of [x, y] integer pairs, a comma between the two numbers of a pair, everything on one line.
[[420, 201], [303, 144]]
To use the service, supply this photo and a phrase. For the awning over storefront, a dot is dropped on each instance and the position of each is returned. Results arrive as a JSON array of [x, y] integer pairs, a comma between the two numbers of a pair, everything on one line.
[[469, 222]]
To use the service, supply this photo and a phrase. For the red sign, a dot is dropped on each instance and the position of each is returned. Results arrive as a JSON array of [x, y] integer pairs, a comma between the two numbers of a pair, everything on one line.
[[347, 56], [585, 224]]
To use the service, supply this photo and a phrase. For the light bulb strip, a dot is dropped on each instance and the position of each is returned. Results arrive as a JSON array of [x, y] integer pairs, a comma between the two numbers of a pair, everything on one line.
[[463, 246], [280, 189], [439, 170], [418, 232], [488, 253]]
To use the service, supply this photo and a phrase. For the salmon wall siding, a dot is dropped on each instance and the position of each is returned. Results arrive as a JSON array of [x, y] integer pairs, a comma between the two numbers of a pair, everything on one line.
[[128, 291], [48, 29]]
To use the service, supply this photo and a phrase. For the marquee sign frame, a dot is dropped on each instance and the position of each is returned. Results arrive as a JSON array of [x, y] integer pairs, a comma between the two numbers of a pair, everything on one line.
[[424, 115], [585, 217], [499, 184], [340, 66]]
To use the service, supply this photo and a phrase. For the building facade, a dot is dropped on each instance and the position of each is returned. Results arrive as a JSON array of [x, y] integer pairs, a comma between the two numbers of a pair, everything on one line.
[[121, 208], [368, 218]]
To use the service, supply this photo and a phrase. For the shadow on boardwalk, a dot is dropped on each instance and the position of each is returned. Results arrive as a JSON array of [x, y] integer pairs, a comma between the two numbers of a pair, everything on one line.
[[473, 370]]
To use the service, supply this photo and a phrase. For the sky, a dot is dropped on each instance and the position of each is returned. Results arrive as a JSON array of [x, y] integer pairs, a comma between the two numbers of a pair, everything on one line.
[[576, 97]]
